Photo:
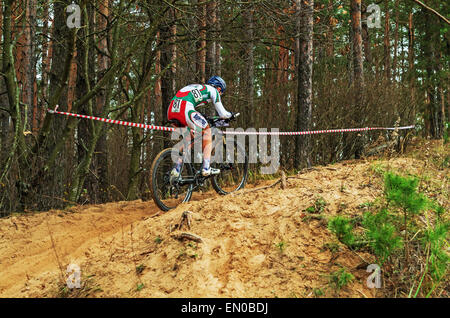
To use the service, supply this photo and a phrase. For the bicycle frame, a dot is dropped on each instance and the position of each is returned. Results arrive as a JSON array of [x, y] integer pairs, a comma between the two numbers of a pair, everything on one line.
[[184, 186], [198, 180]]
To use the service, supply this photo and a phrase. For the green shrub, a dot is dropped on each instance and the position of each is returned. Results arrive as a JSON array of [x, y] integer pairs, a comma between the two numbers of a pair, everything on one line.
[[382, 234], [435, 240], [343, 229], [402, 192], [390, 229]]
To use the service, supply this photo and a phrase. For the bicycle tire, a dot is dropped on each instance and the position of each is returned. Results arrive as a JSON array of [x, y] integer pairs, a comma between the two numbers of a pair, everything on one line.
[[154, 183], [215, 180]]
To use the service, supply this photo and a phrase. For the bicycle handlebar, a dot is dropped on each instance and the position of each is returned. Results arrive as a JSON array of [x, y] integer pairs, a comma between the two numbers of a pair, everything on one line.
[[215, 120]]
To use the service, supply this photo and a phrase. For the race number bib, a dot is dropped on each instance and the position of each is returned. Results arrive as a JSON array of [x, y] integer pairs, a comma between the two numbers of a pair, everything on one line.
[[198, 97], [176, 106]]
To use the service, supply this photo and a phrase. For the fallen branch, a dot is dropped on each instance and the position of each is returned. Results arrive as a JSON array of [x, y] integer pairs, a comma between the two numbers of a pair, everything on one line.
[[187, 236]]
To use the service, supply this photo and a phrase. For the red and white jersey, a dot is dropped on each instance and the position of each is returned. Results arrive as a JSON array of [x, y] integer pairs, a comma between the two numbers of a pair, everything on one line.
[[199, 94]]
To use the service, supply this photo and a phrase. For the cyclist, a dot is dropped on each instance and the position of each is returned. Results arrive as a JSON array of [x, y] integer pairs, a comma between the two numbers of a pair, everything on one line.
[[182, 111]]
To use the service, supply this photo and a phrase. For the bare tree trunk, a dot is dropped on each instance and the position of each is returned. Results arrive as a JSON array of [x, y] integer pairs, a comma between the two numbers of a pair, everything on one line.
[[358, 109], [330, 32], [168, 84], [387, 47], [85, 129], [173, 47], [1, 24], [211, 20], [19, 34], [298, 26], [411, 59], [71, 86], [296, 153], [4, 114], [218, 47], [160, 115], [349, 51], [305, 69], [397, 22], [365, 34], [249, 65], [102, 56], [62, 55], [440, 103], [431, 51], [46, 58], [201, 44], [31, 63], [16, 113], [357, 44], [101, 152]]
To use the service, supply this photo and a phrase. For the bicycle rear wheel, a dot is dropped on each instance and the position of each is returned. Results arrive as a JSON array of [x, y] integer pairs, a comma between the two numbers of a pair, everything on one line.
[[233, 172], [167, 193]]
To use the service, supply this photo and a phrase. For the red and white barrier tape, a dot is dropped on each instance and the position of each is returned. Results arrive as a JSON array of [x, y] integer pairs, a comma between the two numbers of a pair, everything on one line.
[[313, 132], [113, 121], [280, 133]]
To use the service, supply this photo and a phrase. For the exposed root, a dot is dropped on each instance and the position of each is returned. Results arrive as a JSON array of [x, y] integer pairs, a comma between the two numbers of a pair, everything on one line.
[[187, 236], [186, 218]]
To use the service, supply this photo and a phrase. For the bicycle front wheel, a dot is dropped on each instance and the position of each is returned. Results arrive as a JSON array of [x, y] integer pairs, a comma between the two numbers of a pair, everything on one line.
[[233, 172], [168, 192]]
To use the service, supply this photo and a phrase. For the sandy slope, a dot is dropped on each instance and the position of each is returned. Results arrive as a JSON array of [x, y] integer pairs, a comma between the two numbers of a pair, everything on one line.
[[27, 241], [255, 243]]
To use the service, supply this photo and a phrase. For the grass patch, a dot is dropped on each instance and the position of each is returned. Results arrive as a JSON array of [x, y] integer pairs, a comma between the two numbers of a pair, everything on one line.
[[281, 246], [333, 247], [339, 279], [87, 288], [317, 207]]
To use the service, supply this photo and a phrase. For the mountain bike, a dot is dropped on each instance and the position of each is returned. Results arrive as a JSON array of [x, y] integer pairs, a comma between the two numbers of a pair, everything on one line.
[[168, 191]]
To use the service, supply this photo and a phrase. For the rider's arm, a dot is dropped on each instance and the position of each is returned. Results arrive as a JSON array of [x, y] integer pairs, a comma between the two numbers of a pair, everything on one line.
[[223, 113]]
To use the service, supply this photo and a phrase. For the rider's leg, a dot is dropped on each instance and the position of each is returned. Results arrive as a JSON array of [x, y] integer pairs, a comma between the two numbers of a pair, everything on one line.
[[207, 147], [187, 141], [179, 110], [197, 122]]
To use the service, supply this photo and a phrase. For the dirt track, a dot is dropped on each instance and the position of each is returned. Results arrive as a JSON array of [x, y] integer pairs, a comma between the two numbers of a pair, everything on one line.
[[255, 244], [34, 244]]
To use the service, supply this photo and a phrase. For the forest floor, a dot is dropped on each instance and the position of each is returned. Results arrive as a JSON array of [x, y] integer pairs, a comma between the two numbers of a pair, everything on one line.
[[255, 243]]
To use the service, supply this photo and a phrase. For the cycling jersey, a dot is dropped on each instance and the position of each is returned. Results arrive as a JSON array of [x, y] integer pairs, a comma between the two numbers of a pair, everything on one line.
[[182, 106]]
